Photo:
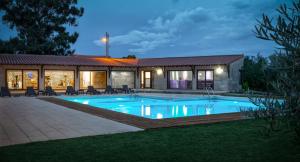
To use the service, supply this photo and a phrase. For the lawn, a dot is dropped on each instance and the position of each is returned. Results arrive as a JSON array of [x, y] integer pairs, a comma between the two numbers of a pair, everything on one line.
[[230, 141]]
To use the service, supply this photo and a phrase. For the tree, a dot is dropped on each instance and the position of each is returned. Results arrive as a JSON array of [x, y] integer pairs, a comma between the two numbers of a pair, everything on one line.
[[253, 73], [41, 25], [285, 64], [130, 57]]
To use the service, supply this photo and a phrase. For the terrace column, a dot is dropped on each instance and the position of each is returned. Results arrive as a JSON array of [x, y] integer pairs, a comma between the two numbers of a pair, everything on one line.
[[109, 79], [77, 78], [137, 78], [194, 81], [41, 78]]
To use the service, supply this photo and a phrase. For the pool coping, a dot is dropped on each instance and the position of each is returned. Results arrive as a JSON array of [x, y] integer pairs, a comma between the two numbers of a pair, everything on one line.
[[145, 123]]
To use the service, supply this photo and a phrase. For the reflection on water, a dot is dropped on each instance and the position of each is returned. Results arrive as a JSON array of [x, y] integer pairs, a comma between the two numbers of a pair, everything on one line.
[[162, 108]]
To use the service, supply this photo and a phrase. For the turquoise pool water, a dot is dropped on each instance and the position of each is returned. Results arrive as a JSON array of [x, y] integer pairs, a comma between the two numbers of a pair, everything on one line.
[[161, 107]]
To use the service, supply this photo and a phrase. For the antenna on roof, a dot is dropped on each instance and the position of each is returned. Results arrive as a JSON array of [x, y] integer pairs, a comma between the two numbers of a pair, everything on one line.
[[106, 41]]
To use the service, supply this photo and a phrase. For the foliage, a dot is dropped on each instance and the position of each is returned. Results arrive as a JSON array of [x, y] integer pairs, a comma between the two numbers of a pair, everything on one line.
[[285, 63], [271, 109], [130, 57], [253, 72], [40, 26]]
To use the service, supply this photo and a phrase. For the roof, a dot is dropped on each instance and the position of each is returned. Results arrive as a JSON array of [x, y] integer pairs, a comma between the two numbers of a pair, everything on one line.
[[82, 60], [194, 60]]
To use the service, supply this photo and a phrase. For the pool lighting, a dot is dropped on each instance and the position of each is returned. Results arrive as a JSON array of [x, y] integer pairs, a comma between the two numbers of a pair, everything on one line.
[[148, 111], [219, 70], [159, 116]]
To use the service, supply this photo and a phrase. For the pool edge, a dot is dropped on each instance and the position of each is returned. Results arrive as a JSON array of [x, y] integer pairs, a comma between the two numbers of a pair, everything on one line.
[[145, 123]]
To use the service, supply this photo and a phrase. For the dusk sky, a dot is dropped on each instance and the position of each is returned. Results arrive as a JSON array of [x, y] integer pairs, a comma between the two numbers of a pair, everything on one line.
[[166, 28]]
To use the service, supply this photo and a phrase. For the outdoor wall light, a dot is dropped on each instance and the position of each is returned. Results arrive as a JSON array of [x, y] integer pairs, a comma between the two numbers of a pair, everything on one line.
[[159, 71], [219, 70]]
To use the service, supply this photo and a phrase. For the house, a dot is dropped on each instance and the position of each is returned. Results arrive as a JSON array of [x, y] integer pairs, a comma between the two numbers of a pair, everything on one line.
[[219, 72]]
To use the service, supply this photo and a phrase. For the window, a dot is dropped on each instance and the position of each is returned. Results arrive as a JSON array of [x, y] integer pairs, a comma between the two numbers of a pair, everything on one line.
[[180, 79], [205, 79], [30, 79], [58, 79], [120, 78], [92, 78], [21, 79]]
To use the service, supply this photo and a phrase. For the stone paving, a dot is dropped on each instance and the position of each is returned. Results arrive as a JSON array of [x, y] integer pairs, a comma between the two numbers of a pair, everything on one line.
[[27, 119]]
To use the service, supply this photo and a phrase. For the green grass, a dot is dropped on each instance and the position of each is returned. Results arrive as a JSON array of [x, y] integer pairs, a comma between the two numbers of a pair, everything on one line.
[[231, 141]]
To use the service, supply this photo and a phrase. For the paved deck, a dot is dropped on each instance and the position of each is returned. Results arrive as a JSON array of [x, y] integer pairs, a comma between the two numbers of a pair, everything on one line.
[[26, 119]]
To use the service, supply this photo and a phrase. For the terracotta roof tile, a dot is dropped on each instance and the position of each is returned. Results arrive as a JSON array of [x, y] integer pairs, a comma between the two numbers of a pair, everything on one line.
[[82, 60]]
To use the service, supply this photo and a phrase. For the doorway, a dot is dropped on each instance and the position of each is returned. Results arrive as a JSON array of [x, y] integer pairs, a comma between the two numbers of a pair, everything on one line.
[[146, 79]]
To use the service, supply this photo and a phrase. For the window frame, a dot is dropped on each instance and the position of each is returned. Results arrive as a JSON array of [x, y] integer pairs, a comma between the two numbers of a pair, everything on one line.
[[22, 71], [90, 76], [44, 76], [134, 75], [205, 80], [168, 80], [142, 85]]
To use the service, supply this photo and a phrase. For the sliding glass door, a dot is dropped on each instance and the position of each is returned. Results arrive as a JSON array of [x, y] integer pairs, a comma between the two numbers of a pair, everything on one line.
[[205, 79], [180, 79]]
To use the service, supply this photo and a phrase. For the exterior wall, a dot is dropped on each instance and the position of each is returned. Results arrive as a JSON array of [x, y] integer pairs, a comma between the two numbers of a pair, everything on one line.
[[2, 75], [229, 80], [235, 75], [159, 81]]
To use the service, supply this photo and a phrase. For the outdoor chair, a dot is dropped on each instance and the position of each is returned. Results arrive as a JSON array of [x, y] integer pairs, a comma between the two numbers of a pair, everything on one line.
[[5, 92], [30, 92], [49, 91], [127, 90], [71, 91], [110, 90], [92, 90]]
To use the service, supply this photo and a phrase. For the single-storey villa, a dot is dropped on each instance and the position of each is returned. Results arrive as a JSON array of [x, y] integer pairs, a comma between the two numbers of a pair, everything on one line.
[[221, 73]]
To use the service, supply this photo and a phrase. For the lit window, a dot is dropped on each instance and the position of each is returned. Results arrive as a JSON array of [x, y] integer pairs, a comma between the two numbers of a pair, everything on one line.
[[205, 79], [97, 79], [180, 79], [14, 79], [120, 78], [21, 79], [58, 79]]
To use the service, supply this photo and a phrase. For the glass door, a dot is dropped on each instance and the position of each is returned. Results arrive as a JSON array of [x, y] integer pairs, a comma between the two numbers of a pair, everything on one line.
[[146, 79]]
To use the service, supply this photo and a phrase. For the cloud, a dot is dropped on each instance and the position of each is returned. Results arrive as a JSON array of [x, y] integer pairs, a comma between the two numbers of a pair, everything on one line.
[[142, 40], [159, 31]]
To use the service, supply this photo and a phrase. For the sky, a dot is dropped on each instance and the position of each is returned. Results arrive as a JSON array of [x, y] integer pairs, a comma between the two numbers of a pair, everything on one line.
[[170, 28]]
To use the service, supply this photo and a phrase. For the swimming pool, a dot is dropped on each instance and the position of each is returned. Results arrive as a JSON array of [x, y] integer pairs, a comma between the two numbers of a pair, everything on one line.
[[164, 107]]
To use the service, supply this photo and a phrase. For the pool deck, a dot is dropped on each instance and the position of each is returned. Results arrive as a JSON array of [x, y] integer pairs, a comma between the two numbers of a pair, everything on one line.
[[146, 123], [28, 119]]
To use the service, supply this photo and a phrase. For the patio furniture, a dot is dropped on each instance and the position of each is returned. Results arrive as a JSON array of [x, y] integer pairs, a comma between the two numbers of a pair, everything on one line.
[[127, 90], [92, 90], [30, 92], [49, 91], [80, 91], [71, 91], [110, 90], [5, 92], [41, 92]]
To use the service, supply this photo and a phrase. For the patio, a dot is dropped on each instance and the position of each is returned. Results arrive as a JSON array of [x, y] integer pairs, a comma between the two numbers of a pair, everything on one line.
[[26, 119]]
